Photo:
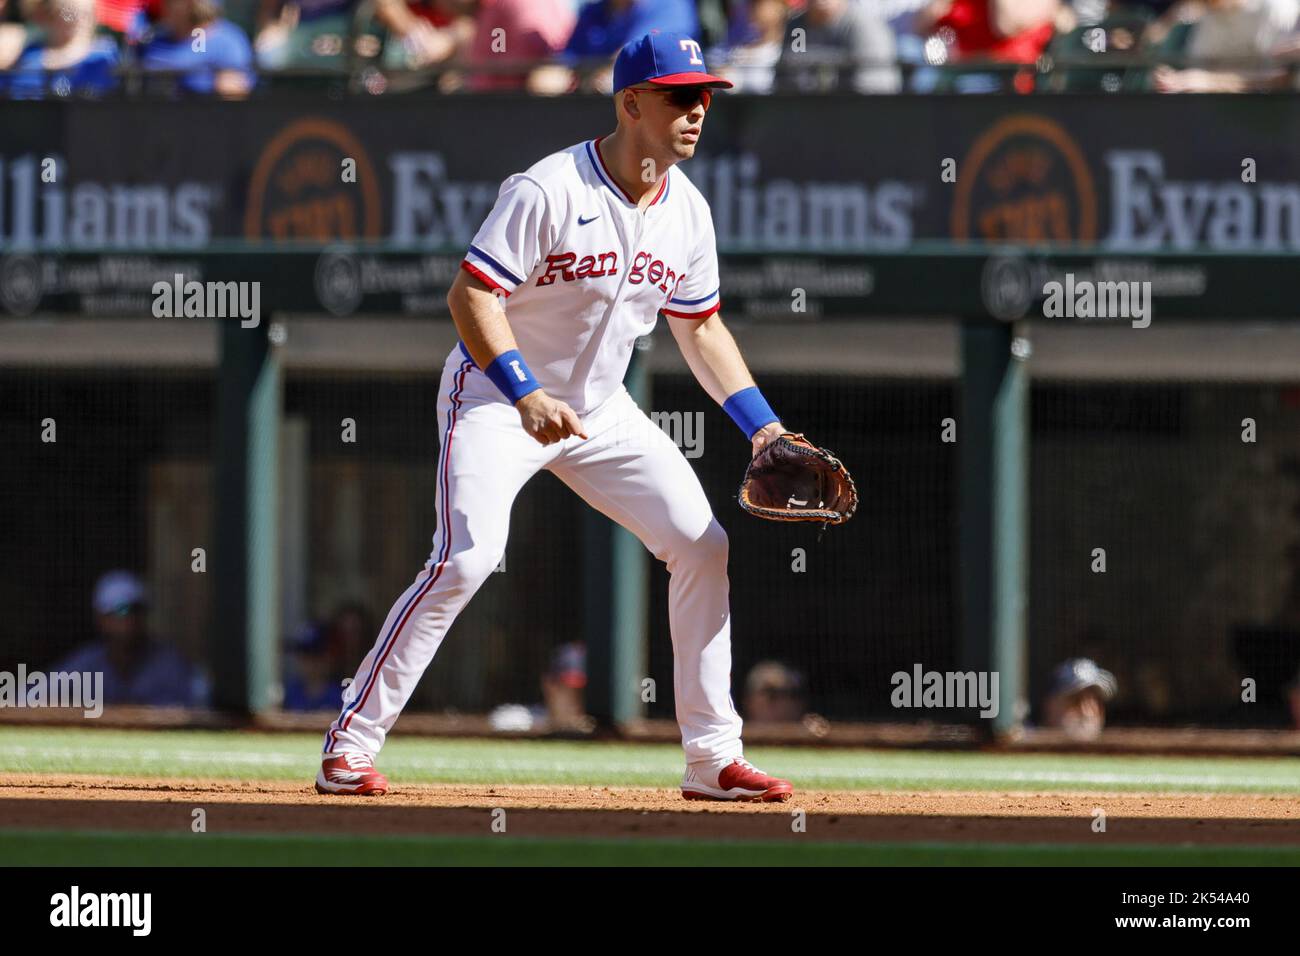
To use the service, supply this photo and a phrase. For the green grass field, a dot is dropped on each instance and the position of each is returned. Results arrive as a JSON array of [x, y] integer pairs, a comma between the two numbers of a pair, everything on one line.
[[285, 757], [293, 757], [91, 848]]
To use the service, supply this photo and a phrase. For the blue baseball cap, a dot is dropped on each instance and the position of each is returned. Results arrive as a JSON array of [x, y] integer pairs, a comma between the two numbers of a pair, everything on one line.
[[117, 591], [310, 638], [663, 59]]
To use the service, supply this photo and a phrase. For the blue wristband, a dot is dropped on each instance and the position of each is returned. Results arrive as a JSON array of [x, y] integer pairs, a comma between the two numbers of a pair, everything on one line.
[[749, 410], [512, 375]]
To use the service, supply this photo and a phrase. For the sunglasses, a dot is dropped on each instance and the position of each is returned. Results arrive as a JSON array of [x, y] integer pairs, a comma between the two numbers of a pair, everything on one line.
[[683, 97]]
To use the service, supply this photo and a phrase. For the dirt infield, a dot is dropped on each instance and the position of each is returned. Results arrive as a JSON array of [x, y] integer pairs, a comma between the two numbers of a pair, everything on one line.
[[50, 801]]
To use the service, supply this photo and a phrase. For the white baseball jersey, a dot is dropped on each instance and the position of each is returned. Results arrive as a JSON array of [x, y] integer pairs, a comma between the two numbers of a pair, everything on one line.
[[586, 273]]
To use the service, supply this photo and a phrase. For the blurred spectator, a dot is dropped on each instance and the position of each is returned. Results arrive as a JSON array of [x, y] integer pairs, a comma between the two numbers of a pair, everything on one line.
[[69, 60], [290, 32], [601, 30], [1009, 31], [323, 656], [901, 18], [129, 19], [219, 60], [136, 668], [773, 694], [564, 694], [753, 46], [353, 630], [1076, 700], [529, 30], [13, 35], [120, 16], [564, 688], [309, 678], [304, 10], [428, 32], [1225, 31], [836, 45], [1003, 31]]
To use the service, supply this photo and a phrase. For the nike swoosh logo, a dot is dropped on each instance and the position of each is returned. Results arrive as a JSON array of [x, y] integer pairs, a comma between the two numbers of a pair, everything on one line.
[[583, 222]]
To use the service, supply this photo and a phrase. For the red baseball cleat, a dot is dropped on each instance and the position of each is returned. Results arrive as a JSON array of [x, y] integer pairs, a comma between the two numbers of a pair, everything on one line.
[[738, 780], [352, 773]]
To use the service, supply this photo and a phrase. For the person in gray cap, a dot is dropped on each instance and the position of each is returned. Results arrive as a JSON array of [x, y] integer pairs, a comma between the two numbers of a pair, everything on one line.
[[1076, 701], [136, 668], [774, 693]]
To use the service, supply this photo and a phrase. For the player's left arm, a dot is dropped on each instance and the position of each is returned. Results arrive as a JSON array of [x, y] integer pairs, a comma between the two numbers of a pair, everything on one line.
[[693, 314], [714, 358]]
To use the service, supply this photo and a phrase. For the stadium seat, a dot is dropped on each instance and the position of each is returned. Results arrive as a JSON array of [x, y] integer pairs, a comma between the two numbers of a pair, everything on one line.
[[316, 47]]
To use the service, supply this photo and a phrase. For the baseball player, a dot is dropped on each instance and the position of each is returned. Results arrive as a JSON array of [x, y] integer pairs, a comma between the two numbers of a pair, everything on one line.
[[576, 260]]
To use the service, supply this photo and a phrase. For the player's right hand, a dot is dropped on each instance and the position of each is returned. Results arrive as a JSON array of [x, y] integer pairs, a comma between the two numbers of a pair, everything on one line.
[[548, 419]]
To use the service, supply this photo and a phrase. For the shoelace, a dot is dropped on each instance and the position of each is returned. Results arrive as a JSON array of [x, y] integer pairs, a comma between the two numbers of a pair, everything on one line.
[[359, 761]]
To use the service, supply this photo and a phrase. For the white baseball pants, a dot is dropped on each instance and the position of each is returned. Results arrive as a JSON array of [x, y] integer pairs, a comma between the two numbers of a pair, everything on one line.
[[629, 470]]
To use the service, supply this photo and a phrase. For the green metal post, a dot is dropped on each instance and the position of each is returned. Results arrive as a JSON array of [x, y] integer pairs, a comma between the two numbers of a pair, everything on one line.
[[617, 607], [993, 438], [245, 564], [631, 583]]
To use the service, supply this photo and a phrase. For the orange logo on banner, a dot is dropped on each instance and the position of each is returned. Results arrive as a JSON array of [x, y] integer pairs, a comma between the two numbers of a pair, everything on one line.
[[1024, 180], [298, 193]]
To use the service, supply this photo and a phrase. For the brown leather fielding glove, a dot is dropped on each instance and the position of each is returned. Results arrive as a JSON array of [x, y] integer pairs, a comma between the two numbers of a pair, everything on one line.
[[791, 479]]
